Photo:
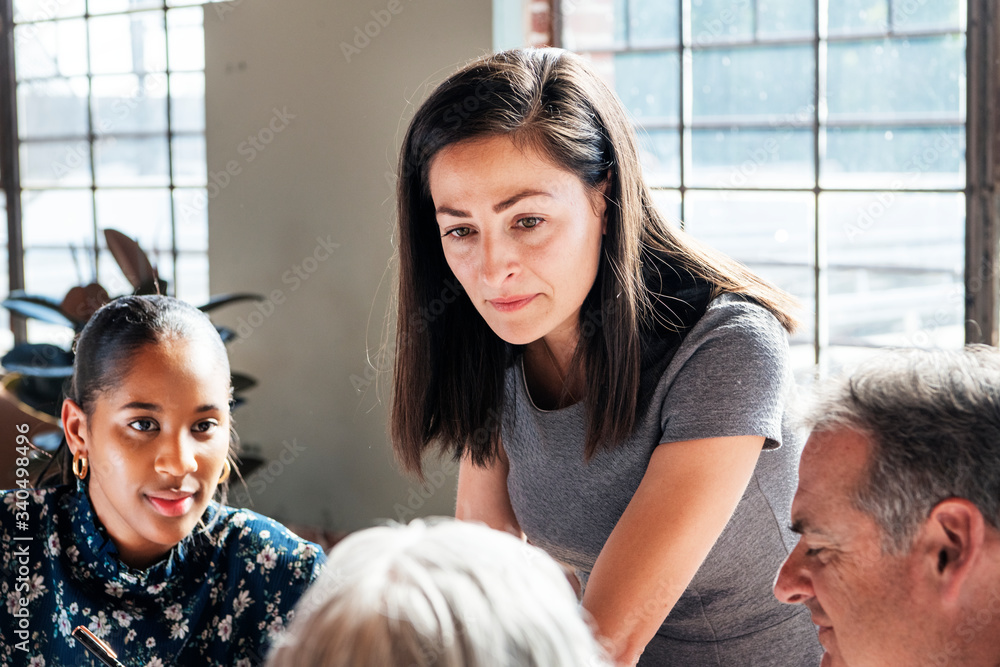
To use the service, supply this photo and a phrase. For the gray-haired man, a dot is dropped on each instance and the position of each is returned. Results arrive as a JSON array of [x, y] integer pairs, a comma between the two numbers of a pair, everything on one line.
[[898, 506]]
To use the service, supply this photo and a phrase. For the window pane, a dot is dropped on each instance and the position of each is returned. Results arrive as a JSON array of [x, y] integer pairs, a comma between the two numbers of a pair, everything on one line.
[[647, 84], [721, 19], [901, 308], [852, 16], [922, 15], [143, 215], [128, 43], [738, 158], [52, 272], [785, 18], [653, 22], [659, 152], [55, 163], [754, 227], [668, 202], [113, 6], [590, 24], [58, 218], [124, 161], [130, 103], [189, 160], [41, 10], [895, 229], [842, 359], [52, 108], [192, 278], [191, 219], [896, 264], [58, 48], [187, 39], [897, 77], [187, 102], [763, 82], [902, 157]]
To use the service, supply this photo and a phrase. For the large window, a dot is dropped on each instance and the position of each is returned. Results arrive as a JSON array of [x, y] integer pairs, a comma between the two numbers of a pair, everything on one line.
[[111, 120], [821, 143]]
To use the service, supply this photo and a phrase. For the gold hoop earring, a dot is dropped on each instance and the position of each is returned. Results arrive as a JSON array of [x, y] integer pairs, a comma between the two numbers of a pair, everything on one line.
[[226, 469], [80, 465]]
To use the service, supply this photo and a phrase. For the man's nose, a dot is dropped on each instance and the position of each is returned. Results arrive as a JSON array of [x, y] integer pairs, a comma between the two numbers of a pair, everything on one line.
[[794, 582]]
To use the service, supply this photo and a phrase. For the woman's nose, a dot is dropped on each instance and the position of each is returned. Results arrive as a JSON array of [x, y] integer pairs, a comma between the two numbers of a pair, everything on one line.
[[176, 456], [498, 259]]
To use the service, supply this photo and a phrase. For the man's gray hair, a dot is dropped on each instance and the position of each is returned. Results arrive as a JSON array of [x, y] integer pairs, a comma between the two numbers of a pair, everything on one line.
[[445, 593], [933, 422]]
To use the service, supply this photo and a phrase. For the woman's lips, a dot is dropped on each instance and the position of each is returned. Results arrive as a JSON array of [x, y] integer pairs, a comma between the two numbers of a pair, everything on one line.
[[171, 507], [510, 304]]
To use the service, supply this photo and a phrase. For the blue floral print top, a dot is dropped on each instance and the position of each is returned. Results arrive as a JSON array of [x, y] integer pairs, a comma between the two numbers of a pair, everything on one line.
[[219, 598]]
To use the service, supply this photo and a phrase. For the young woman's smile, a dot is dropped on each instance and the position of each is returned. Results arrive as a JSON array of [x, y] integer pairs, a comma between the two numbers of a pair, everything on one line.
[[156, 443], [522, 236]]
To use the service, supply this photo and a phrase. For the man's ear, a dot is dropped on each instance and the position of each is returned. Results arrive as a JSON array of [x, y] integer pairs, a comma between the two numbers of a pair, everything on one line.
[[952, 540], [74, 421]]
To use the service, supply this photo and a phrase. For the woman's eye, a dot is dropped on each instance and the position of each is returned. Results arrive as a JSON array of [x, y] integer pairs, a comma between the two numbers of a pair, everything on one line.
[[143, 425], [459, 232], [529, 223], [204, 427]]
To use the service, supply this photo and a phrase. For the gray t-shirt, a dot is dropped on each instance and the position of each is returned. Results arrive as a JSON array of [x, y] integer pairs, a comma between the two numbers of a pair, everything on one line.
[[728, 377]]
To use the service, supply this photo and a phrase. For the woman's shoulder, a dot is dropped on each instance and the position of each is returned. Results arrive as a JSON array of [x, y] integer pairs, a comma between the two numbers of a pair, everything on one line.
[[740, 317], [242, 530]]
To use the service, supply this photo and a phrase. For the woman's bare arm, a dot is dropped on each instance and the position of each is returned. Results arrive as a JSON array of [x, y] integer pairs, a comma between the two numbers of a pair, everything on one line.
[[686, 497]]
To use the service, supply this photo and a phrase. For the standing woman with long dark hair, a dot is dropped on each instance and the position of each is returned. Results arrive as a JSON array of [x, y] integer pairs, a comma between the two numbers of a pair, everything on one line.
[[608, 383]]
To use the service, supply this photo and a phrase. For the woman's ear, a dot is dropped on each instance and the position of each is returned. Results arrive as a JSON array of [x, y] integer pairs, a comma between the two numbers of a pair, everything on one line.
[[74, 421], [953, 540], [601, 200]]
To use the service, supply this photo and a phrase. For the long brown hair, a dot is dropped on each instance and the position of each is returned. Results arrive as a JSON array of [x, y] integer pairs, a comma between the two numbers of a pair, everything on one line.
[[448, 385]]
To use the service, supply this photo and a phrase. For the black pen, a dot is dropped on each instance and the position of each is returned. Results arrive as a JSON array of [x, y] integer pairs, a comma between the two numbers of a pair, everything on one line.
[[93, 644]]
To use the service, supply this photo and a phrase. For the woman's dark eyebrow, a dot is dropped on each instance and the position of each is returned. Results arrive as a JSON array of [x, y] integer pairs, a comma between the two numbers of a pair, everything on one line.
[[498, 208], [139, 405], [153, 407]]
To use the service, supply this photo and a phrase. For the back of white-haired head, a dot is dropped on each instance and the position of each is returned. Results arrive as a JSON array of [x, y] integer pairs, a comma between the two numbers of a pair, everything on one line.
[[440, 594]]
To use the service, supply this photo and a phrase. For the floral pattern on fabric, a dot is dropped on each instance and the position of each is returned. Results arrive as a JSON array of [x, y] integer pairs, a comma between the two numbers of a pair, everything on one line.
[[219, 597]]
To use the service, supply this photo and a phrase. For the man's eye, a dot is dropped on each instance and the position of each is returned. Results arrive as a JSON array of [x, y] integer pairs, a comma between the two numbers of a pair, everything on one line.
[[143, 425], [814, 551]]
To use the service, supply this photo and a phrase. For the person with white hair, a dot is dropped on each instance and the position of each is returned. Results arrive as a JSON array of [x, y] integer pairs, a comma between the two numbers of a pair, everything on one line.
[[441, 593]]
